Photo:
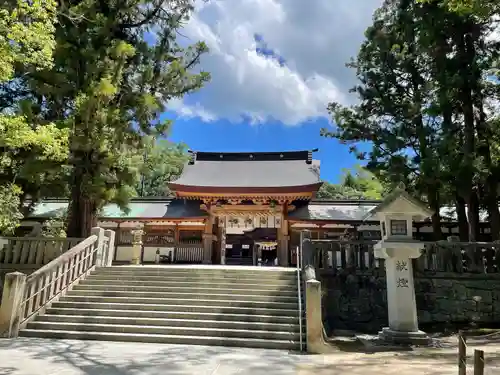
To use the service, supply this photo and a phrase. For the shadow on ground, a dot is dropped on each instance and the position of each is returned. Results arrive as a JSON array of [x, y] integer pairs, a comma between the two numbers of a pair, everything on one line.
[[28, 356], [24, 356]]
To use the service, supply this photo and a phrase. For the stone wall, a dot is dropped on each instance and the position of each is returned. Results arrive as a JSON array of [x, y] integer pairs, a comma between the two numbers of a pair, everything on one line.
[[358, 301]]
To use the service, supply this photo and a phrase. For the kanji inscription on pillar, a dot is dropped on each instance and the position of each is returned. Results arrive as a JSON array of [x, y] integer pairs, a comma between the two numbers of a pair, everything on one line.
[[401, 265], [402, 282]]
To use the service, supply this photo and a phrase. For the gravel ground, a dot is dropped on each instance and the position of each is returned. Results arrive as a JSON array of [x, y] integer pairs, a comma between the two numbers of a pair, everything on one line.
[[26, 356]]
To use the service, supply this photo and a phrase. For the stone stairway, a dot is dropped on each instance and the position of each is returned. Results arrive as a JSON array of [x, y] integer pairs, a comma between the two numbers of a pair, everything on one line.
[[206, 305]]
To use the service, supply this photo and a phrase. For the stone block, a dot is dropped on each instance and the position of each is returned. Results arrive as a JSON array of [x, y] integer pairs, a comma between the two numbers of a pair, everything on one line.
[[10, 306]]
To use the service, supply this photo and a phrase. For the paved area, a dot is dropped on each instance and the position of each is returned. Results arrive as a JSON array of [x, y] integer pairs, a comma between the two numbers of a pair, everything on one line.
[[67, 357]]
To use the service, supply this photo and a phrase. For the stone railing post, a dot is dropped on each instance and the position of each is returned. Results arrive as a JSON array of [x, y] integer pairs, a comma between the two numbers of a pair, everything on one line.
[[11, 305], [99, 232], [314, 320], [137, 246], [315, 339], [110, 234]]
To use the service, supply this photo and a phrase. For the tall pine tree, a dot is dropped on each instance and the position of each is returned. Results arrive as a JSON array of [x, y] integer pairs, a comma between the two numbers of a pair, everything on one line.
[[116, 66]]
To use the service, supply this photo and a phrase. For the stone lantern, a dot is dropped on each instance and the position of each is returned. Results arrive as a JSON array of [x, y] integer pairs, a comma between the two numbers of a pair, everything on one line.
[[397, 247], [137, 245]]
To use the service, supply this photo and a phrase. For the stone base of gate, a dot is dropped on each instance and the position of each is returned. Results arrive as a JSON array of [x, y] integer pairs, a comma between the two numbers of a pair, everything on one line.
[[402, 337]]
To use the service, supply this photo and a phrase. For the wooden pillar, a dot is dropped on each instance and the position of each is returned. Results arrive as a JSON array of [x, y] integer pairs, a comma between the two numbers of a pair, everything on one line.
[[222, 242], [208, 240], [283, 239]]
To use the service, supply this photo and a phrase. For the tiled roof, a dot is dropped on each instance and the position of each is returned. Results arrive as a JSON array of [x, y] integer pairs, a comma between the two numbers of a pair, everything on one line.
[[138, 208], [336, 210], [250, 170]]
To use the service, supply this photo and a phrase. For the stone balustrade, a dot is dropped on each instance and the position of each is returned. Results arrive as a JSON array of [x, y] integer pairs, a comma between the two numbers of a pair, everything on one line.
[[33, 250], [24, 297]]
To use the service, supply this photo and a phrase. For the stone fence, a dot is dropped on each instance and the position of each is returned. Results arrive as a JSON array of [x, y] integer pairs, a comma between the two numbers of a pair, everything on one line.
[[455, 283], [445, 256], [27, 254], [33, 251]]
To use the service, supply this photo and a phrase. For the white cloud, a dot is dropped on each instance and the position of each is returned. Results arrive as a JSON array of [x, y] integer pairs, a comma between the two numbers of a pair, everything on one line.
[[315, 37]]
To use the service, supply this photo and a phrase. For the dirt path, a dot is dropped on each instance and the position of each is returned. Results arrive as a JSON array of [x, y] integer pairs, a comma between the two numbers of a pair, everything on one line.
[[442, 361]]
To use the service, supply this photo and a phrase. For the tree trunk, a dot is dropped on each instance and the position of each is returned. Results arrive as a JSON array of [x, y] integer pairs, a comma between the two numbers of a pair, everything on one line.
[[82, 212], [484, 136], [473, 214], [492, 206], [463, 224], [433, 195], [465, 56]]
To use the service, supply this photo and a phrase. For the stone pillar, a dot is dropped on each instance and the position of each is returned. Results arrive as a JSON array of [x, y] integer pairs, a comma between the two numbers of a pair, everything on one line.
[[11, 305], [137, 246], [111, 247], [401, 302], [99, 232], [396, 214], [314, 320]]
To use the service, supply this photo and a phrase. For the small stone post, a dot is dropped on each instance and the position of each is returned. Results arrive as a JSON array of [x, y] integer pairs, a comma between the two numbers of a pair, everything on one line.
[[100, 256], [315, 340], [314, 319], [137, 246], [397, 247], [11, 306], [111, 247]]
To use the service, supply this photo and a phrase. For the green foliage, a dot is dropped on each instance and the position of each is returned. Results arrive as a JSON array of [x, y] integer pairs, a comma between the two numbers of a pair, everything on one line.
[[55, 226], [357, 184], [28, 151], [426, 105], [26, 35], [9, 208], [481, 8], [116, 66], [163, 162]]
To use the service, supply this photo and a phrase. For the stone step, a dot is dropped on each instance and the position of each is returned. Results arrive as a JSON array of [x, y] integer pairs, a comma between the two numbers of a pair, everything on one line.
[[236, 284], [71, 297], [164, 339], [197, 307], [162, 295], [201, 288], [164, 330], [219, 323], [206, 279], [278, 319], [229, 271], [246, 270]]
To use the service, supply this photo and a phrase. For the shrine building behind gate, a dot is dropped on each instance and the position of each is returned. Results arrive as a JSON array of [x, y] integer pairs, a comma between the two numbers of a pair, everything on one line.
[[237, 208]]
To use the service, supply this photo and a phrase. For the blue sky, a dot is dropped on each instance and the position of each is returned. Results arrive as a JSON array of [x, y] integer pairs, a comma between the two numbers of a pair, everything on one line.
[[275, 65], [222, 135]]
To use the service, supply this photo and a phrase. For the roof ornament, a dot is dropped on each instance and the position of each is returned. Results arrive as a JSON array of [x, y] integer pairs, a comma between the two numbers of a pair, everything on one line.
[[192, 159], [401, 185]]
